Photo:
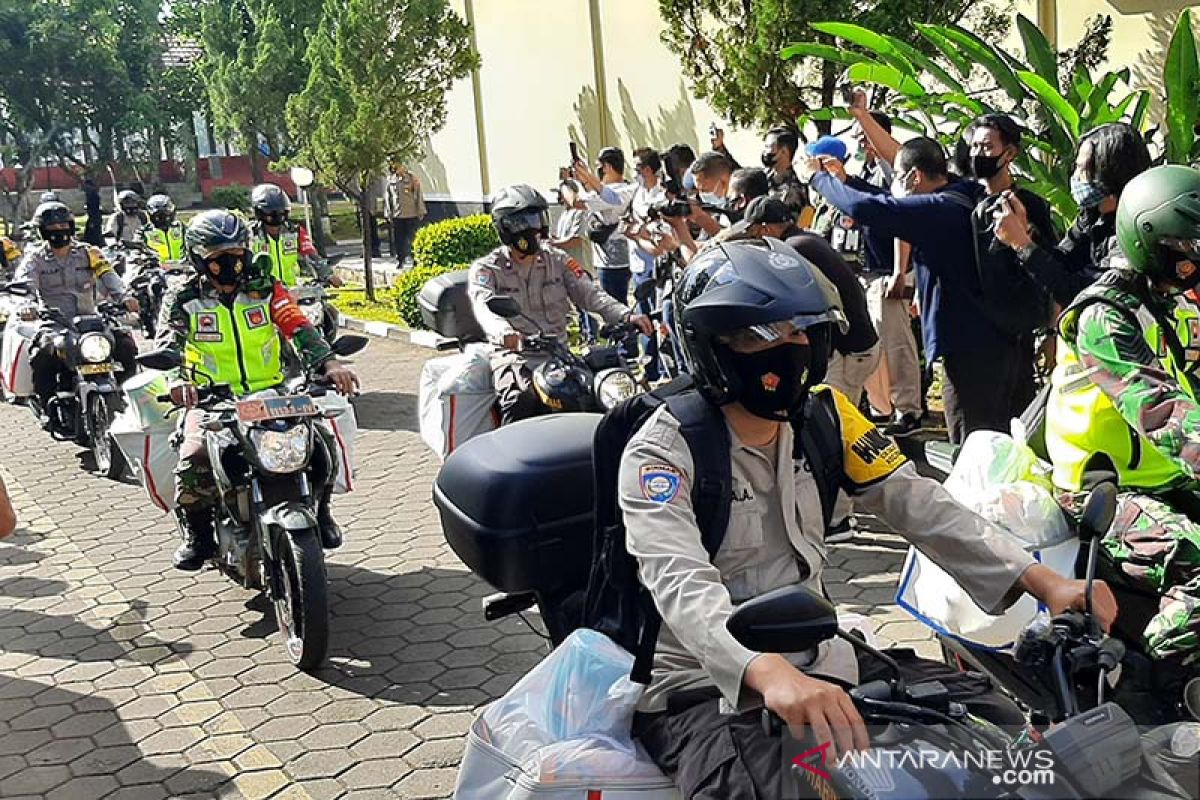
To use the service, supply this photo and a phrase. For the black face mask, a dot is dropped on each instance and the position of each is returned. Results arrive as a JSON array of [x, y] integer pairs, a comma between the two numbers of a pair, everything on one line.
[[232, 267], [527, 243], [58, 238], [985, 167], [774, 381], [768, 159], [274, 218]]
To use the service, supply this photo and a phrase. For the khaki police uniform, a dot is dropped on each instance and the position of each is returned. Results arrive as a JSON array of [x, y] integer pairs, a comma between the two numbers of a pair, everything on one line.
[[69, 284], [545, 291], [775, 538]]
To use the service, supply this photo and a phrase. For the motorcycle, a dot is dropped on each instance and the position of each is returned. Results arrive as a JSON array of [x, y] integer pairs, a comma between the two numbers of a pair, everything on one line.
[[313, 299], [89, 393], [535, 547], [149, 284], [264, 450]]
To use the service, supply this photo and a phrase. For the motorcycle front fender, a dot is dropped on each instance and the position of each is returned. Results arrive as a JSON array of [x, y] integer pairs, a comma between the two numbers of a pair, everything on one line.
[[291, 517]]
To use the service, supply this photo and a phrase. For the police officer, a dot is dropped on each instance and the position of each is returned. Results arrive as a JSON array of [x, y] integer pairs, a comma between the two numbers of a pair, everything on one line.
[[1124, 405], [756, 324], [64, 274], [227, 322], [544, 281], [288, 245], [165, 234], [126, 223]]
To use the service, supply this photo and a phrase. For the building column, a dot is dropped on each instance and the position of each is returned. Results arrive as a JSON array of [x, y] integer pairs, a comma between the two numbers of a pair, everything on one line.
[[1047, 20], [485, 183], [606, 136]]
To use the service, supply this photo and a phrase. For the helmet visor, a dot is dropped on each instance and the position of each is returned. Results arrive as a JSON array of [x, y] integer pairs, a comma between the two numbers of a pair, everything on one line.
[[771, 332], [524, 221]]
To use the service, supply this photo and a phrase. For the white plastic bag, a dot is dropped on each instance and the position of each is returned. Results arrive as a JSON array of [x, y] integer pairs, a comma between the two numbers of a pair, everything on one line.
[[344, 427], [457, 399], [143, 433], [1000, 479], [566, 724]]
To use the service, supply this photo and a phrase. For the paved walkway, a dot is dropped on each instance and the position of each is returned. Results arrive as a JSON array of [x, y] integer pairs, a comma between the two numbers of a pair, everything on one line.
[[122, 678]]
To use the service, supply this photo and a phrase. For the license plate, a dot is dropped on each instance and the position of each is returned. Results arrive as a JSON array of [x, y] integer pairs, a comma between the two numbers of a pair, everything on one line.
[[276, 408], [96, 369]]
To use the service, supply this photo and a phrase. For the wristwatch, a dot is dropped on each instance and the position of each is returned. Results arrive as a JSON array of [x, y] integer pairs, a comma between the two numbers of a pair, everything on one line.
[[1026, 251]]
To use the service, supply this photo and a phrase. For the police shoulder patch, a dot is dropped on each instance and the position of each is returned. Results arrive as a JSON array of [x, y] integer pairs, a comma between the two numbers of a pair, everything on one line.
[[660, 482], [573, 265]]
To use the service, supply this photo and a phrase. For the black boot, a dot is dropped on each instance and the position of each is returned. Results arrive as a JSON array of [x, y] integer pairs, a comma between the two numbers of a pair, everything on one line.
[[331, 532], [199, 543]]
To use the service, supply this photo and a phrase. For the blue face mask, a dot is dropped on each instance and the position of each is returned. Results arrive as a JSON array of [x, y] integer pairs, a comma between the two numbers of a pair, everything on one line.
[[689, 181], [1087, 193]]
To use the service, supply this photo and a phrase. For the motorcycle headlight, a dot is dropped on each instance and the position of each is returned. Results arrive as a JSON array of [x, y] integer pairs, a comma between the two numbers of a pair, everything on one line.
[[94, 348], [281, 452], [614, 386]]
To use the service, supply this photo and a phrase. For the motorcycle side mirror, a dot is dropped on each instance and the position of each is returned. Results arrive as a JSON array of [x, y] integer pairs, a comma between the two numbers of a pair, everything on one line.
[[349, 344], [1098, 512], [503, 306], [644, 291], [787, 620], [161, 360]]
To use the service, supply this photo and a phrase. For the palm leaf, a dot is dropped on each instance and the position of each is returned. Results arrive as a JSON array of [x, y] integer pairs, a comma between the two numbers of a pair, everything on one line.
[[928, 64], [885, 75], [1038, 52], [980, 52], [1052, 100], [946, 47], [817, 50], [1180, 77], [868, 40]]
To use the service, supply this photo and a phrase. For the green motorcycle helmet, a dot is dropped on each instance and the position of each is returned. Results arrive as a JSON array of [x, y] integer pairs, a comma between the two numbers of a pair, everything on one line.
[[1158, 224]]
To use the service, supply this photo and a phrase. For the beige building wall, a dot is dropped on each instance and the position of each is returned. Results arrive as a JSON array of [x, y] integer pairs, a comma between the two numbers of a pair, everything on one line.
[[538, 91]]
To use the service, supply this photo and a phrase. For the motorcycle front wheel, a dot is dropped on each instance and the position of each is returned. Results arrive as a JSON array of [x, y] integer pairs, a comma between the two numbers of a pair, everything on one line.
[[301, 600], [109, 461]]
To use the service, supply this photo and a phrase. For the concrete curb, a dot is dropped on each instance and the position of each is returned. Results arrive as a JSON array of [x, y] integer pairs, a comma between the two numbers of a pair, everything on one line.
[[386, 330]]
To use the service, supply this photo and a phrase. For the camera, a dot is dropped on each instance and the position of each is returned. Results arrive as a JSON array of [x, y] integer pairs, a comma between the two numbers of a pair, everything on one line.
[[671, 207]]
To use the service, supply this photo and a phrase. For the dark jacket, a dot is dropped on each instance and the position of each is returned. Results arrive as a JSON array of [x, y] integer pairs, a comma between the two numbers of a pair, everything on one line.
[[861, 336]]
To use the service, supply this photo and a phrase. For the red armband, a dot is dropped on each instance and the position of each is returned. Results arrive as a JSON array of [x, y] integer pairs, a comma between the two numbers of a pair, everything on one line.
[[307, 248], [286, 315]]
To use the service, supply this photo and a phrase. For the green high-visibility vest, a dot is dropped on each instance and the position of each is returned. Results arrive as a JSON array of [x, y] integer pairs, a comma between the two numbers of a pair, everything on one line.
[[284, 251], [235, 344], [168, 245]]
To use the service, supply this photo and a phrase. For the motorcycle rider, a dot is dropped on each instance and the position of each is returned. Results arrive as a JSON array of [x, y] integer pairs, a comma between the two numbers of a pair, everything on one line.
[[1123, 401], [544, 281], [64, 274], [165, 234], [227, 322], [288, 245], [756, 324], [126, 223]]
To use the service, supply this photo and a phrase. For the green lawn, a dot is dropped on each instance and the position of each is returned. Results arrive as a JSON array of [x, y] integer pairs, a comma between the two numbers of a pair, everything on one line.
[[352, 301]]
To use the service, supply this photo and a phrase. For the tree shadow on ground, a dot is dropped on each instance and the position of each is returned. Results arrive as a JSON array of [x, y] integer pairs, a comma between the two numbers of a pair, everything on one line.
[[65, 637], [387, 411], [72, 743]]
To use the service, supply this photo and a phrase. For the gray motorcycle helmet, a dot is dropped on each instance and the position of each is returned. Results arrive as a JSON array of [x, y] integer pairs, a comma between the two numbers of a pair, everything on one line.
[[270, 203], [518, 209], [52, 213], [129, 201], [212, 231], [161, 209]]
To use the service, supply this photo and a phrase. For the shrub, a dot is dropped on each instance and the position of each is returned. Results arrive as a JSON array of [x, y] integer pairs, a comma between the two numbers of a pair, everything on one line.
[[408, 286], [234, 196], [454, 241]]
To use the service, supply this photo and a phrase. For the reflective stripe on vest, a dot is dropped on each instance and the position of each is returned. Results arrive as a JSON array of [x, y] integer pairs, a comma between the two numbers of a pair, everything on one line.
[[1082, 423], [284, 251], [237, 345]]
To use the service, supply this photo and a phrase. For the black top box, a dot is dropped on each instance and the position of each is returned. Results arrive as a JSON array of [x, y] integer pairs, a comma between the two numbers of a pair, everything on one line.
[[445, 307], [516, 503]]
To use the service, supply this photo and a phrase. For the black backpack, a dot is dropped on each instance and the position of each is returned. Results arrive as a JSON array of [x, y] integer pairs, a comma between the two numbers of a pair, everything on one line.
[[616, 603]]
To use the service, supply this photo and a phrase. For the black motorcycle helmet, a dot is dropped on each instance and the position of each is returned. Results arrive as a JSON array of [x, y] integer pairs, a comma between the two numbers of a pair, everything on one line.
[[161, 209], [53, 213], [517, 210], [270, 203], [129, 201], [746, 287], [212, 232]]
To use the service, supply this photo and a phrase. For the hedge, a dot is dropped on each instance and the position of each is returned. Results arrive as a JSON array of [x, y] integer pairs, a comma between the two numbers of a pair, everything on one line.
[[408, 286], [234, 197], [454, 241]]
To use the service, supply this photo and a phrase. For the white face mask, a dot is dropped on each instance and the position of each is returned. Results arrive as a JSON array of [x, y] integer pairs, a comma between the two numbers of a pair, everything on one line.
[[900, 187], [711, 199]]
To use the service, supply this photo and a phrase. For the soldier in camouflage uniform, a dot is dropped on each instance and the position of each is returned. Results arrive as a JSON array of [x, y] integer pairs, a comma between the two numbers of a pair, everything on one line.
[[227, 322], [1123, 401]]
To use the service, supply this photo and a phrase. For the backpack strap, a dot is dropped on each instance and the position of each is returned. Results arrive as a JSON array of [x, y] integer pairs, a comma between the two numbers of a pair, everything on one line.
[[703, 427], [818, 438]]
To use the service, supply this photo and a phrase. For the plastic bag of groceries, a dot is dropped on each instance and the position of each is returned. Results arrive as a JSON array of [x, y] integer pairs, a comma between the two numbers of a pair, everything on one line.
[[563, 731], [1001, 479]]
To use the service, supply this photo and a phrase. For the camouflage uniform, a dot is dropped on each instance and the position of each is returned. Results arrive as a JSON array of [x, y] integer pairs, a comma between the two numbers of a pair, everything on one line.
[[1152, 540], [194, 486]]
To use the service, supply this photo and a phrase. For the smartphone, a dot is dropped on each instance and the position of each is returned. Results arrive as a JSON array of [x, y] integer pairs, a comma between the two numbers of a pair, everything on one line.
[[574, 152], [847, 90], [713, 130]]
